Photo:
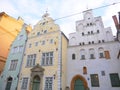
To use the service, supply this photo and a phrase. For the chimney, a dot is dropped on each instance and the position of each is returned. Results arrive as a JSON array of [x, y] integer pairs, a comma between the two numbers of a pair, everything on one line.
[[116, 22]]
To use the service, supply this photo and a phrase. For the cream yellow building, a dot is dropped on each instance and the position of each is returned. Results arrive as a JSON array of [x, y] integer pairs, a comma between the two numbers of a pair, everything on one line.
[[9, 29], [44, 61]]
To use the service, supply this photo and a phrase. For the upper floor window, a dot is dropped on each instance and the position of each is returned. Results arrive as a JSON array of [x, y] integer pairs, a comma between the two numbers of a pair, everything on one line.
[[13, 64], [107, 54], [43, 42], [36, 43], [73, 56], [82, 34], [94, 80], [45, 31], [92, 53], [15, 50], [92, 42], [20, 48], [115, 81], [20, 37], [88, 33], [82, 54], [38, 33], [47, 58], [51, 41], [89, 42], [101, 52], [91, 32], [31, 60], [97, 31], [103, 41], [91, 24]]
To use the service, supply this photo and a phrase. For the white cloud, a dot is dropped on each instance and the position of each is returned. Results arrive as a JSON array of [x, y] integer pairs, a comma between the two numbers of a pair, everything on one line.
[[32, 10]]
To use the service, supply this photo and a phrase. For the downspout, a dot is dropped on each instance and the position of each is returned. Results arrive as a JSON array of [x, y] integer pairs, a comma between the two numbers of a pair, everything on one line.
[[60, 62]]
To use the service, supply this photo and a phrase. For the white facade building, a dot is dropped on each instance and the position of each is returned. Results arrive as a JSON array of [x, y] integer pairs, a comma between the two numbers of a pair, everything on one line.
[[93, 56]]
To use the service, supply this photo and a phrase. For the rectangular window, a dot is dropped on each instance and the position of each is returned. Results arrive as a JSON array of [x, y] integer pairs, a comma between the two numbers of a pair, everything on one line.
[[51, 41], [115, 81], [43, 42], [31, 60], [92, 56], [82, 57], [48, 83], [20, 48], [101, 55], [47, 58], [13, 65], [20, 37], [94, 80], [36, 43], [24, 83]]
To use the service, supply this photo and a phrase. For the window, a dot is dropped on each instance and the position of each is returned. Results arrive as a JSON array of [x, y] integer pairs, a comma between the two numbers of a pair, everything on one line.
[[90, 23], [92, 42], [73, 56], [20, 48], [89, 42], [82, 34], [87, 24], [91, 32], [97, 31], [20, 37], [51, 41], [83, 43], [30, 45], [88, 33], [24, 83], [99, 41], [47, 58], [43, 42], [103, 41], [92, 53], [45, 31], [36, 43], [115, 81], [15, 50], [38, 33], [84, 70], [31, 60], [103, 73], [82, 54], [13, 65], [94, 80], [48, 83]]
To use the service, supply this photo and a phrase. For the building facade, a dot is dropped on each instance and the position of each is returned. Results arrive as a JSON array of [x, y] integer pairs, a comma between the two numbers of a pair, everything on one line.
[[10, 75], [93, 56], [9, 29], [44, 61]]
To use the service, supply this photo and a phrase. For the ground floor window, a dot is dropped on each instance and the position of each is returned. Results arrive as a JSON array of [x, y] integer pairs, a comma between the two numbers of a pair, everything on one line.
[[115, 81], [24, 83], [94, 80], [48, 83], [9, 82]]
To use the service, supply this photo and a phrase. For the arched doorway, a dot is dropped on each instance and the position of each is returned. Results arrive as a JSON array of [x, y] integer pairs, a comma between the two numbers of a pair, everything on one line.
[[79, 83], [9, 82], [36, 83]]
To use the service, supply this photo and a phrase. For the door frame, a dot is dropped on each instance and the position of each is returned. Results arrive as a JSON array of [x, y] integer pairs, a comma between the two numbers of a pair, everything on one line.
[[81, 78]]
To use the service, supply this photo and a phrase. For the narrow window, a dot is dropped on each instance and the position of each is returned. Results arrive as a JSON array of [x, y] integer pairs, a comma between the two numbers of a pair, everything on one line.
[[73, 56], [91, 32], [38, 33], [30, 45], [97, 31], [88, 33], [89, 42], [103, 73], [82, 34]]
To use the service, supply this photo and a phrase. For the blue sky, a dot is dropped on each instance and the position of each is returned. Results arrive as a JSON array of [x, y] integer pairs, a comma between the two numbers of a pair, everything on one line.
[[32, 10]]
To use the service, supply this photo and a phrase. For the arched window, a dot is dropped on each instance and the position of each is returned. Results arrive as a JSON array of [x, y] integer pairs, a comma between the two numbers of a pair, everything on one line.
[[9, 82], [73, 56], [92, 53], [101, 52], [84, 70]]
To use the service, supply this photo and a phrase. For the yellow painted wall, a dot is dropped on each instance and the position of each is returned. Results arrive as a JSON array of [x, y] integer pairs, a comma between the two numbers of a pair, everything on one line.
[[52, 33], [9, 29]]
